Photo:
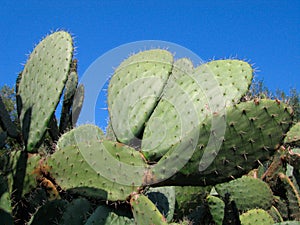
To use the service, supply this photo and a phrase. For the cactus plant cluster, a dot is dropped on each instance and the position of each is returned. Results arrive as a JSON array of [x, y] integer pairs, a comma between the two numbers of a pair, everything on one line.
[[181, 147]]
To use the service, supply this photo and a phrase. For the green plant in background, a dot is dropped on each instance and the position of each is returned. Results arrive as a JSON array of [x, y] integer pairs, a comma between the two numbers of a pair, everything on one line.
[[184, 145]]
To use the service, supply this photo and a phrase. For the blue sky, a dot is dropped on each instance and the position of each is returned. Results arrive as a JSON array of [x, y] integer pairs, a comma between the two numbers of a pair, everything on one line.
[[266, 33]]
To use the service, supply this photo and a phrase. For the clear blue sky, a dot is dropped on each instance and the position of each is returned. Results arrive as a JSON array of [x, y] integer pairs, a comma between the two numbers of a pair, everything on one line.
[[265, 32]]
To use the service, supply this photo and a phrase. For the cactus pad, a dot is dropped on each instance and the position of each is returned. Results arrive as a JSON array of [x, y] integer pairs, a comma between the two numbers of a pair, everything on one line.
[[248, 193], [253, 132], [97, 169], [145, 212], [216, 208], [293, 136], [164, 199], [256, 216], [134, 91], [83, 133], [103, 215], [42, 83], [189, 96]]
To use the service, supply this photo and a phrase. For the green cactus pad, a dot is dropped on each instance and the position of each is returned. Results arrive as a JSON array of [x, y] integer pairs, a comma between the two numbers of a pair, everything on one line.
[[293, 197], [77, 103], [275, 214], [29, 177], [6, 123], [293, 157], [105, 216], [145, 212], [188, 198], [5, 202], [164, 199], [216, 209], [253, 132], [256, 216], [293, 136], [134, 91], [164, 126], [234, 77], [100, 169], [109, 133], [288, 223], [75, 212], [83, 133], [247, 192], [30, 181], [189, 96], [70, 90], [42, 83]]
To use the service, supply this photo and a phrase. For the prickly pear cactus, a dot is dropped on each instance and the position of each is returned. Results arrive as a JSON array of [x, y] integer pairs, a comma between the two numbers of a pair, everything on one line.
[[41, 85], [174, 131]]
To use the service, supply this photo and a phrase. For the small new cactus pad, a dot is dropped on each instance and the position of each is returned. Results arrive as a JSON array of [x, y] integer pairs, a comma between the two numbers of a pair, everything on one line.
[[247, 192], [253, 132], [145, 212], [256, 216], [134, 91], [42, 83], [189, 97]]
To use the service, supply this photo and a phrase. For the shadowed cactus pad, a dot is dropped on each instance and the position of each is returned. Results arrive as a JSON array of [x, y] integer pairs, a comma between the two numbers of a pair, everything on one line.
[[216, 208], [104, 215], [164, 198]]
